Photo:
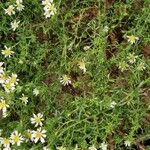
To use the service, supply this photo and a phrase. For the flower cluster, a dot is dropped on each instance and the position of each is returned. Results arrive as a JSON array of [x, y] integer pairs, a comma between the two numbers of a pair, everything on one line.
[[131, 60], [19, 5], [11, 11], [66, 80], [39, 134], [103, 146], [33, 135], [14, 139], [8, 82], [49, 8], [11, 8]]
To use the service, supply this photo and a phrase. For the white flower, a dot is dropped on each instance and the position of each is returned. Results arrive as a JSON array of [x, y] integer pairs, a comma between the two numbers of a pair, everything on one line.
[[76, 147], [15, 25], [46, 148], [127, 143], [47, 14], [38, 135], [92, 148], [16, 138], [37, 119], [5, 142], [19, 1], [3, 78], [19, 5], [13, 79], [123, 66], [24, 99], [70, 46], [61, 148], [1, 67], [10, 10], [7, 52], [132, 58], [46, 2], [35, 92], [50, 7], [49, 10], [113, 104], [5, 114], [103, 146], [132, 39], [81, 65], [141, 66], [106, 29], [7, 148], [8, 86], [86, 48], [65, 80], [3, 105]]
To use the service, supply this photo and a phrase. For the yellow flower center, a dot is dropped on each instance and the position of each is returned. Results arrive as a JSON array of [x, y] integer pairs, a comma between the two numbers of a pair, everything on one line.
[[3, 77], [81, 64], [38, 135], [7, 51], [24, 99], [37, 119], [13, 79], [132, 38], [51, 7], [2, 105], [65, 78], [10, 9], [16, 139], [8, 85], [6, 141]]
